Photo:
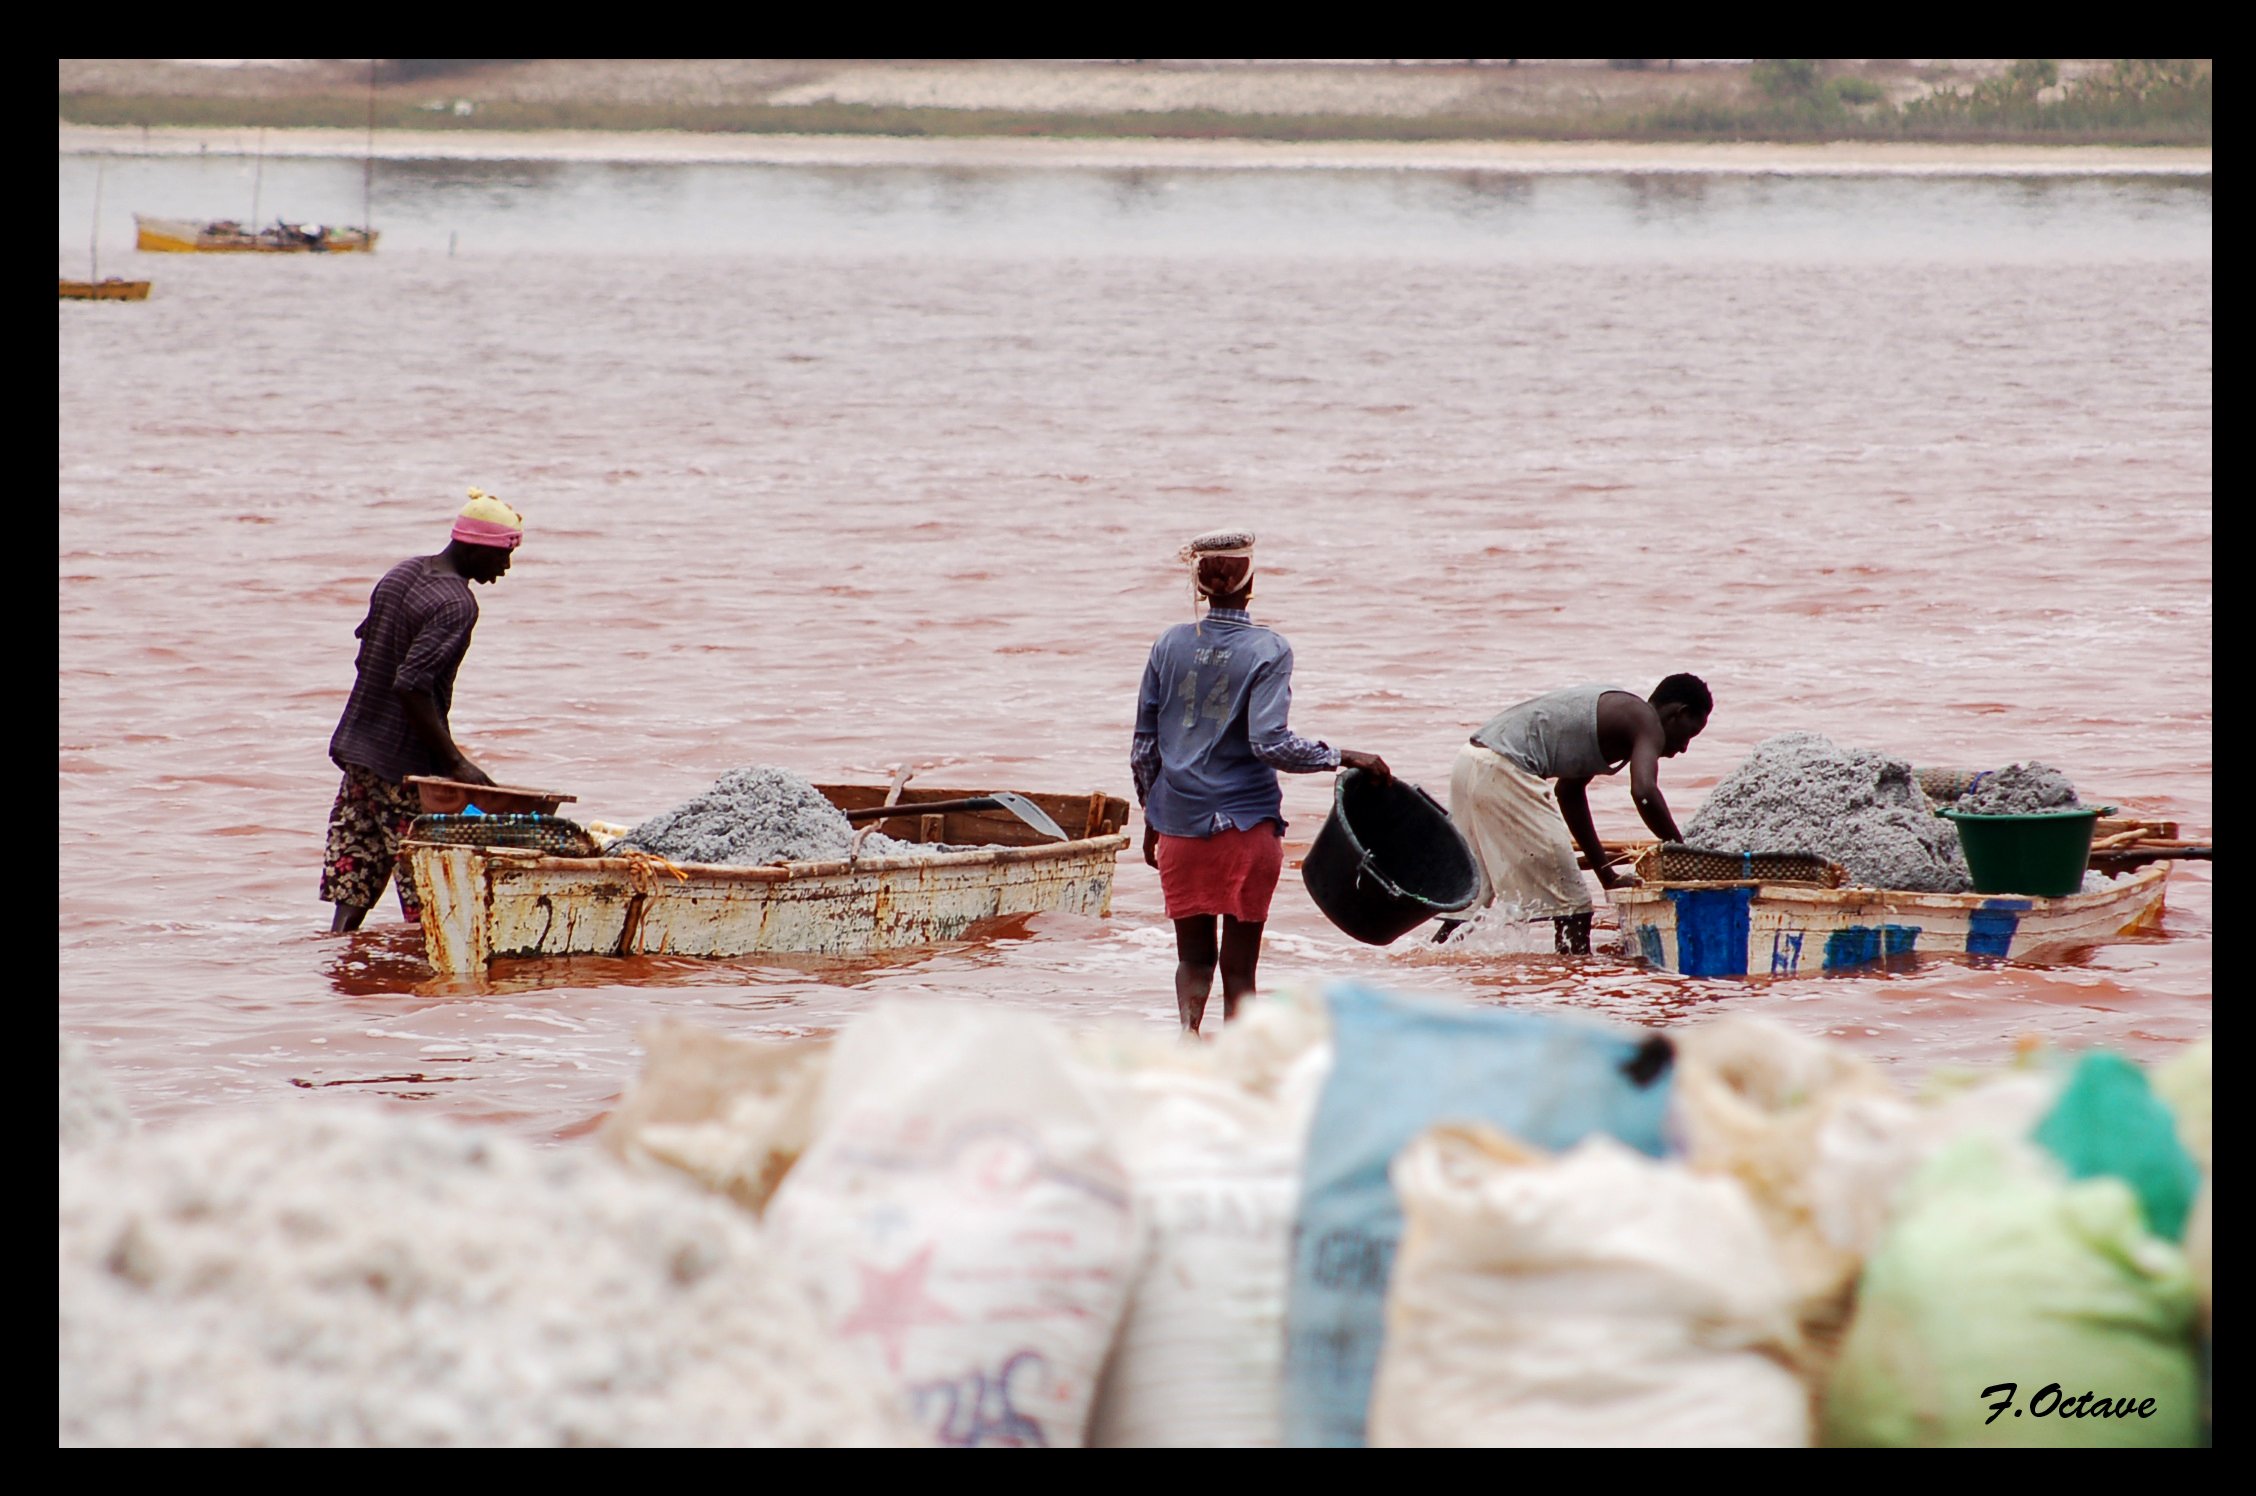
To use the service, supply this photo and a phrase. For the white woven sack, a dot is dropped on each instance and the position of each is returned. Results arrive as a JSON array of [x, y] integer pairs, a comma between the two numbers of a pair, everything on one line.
[[1599, 1298], [963, 1218], [1869, 1146], [1199, 1359]]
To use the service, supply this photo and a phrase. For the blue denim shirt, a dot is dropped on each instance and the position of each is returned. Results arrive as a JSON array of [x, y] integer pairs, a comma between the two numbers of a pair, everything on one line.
[[1210, 728]]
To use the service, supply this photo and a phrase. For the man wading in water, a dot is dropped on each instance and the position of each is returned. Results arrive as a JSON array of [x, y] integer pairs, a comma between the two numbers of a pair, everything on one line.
[[1210, 738], [395, 723], [1520, 833]]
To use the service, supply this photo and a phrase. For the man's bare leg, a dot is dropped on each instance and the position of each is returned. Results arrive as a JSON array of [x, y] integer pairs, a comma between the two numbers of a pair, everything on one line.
[[1194, 968], [347, 918], [1241, 953]]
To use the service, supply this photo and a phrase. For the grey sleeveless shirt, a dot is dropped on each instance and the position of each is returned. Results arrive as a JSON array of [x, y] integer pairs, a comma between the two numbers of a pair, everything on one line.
[[1553, 736]]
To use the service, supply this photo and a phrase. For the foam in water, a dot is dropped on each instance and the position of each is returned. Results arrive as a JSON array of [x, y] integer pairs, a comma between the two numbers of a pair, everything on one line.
[[92, 1111]]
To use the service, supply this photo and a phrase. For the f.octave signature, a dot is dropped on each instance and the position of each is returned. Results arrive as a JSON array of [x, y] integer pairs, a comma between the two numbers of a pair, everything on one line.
[[2051, 1402]]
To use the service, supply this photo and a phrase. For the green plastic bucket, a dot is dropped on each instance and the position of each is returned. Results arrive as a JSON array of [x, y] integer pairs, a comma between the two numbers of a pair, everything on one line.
[[2042, 854]]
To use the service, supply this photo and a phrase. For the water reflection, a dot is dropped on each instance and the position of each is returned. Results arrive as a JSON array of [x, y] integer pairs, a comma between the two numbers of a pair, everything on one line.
[[1665, 194], [1138, 188], [727, 209], [1489, 194]]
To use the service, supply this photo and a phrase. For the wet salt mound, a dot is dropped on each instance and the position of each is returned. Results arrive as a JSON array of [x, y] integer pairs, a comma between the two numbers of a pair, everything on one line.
[[366, 1279], [92, 1111], [753, 816], [1798, 792], [2019, 790]]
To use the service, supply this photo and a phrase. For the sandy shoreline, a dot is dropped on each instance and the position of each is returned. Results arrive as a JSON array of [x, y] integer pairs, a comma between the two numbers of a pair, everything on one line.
[[670, 147]]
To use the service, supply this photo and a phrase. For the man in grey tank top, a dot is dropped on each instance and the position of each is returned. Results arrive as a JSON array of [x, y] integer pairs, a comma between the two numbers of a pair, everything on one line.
[[1519, 792]]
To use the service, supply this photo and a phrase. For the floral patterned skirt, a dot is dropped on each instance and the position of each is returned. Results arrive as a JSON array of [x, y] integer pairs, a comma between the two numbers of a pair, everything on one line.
[[366, 827]]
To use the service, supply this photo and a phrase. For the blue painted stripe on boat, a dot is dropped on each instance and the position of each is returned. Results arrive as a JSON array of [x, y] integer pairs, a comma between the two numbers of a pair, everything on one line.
[[1785, 952], [1861, 945], [1990, 929], [1711, 930], [1649, 944]]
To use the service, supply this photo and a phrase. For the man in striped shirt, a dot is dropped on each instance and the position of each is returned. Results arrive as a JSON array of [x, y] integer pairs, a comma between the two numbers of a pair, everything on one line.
[[1210, 736], [395, 722]]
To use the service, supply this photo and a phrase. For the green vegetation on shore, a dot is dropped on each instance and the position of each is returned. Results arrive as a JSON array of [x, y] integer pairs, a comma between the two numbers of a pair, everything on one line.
[[2136, 102]]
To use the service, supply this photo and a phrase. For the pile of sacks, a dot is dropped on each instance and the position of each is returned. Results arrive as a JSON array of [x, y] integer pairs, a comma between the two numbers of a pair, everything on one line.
[[1362, 1218]]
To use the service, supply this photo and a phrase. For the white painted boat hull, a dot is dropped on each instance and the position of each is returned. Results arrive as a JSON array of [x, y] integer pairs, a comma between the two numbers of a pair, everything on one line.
[[480, 903], [1781, 929]]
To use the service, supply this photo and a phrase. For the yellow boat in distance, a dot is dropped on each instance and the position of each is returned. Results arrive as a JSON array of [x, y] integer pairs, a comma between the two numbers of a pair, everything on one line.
[[226, 236], [113, 289]]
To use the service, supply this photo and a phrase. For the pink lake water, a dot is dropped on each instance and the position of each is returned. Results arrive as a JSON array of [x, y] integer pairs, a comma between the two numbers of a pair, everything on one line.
[[839, 468]]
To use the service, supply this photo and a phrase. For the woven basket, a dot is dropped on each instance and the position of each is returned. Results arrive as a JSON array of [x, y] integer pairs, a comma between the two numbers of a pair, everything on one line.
[[551, 834], [1942, 786], [1673, 862]]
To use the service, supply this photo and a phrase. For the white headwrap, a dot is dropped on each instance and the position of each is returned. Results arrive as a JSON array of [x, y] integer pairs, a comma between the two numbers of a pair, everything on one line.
[[1217, 543]]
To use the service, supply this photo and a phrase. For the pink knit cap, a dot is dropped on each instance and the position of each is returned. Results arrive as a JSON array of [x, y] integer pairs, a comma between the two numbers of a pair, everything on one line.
[[486, 520]]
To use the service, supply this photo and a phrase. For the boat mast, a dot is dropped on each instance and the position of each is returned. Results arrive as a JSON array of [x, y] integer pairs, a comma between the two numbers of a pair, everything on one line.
[[258, 176], [94, 250], [368, 161]]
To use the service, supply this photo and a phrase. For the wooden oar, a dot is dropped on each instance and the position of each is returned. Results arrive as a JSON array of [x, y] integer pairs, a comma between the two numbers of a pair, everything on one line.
[[1017, 804]]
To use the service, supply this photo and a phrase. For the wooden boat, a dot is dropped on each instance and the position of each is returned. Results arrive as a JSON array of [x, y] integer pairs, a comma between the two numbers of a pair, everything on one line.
[[1770, 927], [1733, 929], [480, 903], [97, 286], [114, 288], [225, 236]]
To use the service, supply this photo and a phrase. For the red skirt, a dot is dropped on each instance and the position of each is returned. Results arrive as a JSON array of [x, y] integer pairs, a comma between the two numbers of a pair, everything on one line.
[[1230, 872]]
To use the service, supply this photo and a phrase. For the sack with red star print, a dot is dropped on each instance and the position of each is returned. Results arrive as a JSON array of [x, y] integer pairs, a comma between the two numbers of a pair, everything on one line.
[[964, 1220]]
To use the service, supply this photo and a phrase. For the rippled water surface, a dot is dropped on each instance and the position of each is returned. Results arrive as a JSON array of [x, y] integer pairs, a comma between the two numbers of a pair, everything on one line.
[[838, 468]]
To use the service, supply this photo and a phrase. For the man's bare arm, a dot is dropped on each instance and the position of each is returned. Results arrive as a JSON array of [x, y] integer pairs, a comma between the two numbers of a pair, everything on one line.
[[1574, 809], [1645, 787], [423, 716]]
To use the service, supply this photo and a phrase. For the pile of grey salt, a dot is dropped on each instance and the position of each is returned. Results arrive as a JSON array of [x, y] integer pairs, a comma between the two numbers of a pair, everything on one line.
[[754, 816], [1798, 792], [2018, 790], [366, 1279]]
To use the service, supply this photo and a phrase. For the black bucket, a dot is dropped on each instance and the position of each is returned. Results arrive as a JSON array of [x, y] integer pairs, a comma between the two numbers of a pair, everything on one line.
[[1387, 860]]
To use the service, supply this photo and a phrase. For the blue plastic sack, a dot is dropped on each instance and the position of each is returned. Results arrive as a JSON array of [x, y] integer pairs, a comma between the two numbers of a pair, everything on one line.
[[1402, 1065]]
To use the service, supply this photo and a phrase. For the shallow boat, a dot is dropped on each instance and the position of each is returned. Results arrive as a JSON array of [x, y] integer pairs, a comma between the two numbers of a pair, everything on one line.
[[225, 236], [114, 288], [480, 903], [1752, 928]]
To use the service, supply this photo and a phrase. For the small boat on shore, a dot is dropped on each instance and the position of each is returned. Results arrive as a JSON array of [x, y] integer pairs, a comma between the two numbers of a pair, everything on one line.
[[226, 236], [484, 902], [113, 288]]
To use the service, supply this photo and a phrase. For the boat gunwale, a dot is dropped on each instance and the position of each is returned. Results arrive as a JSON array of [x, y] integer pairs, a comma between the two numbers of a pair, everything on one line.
[[109, 288], [1862, 897], [531, 859]]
